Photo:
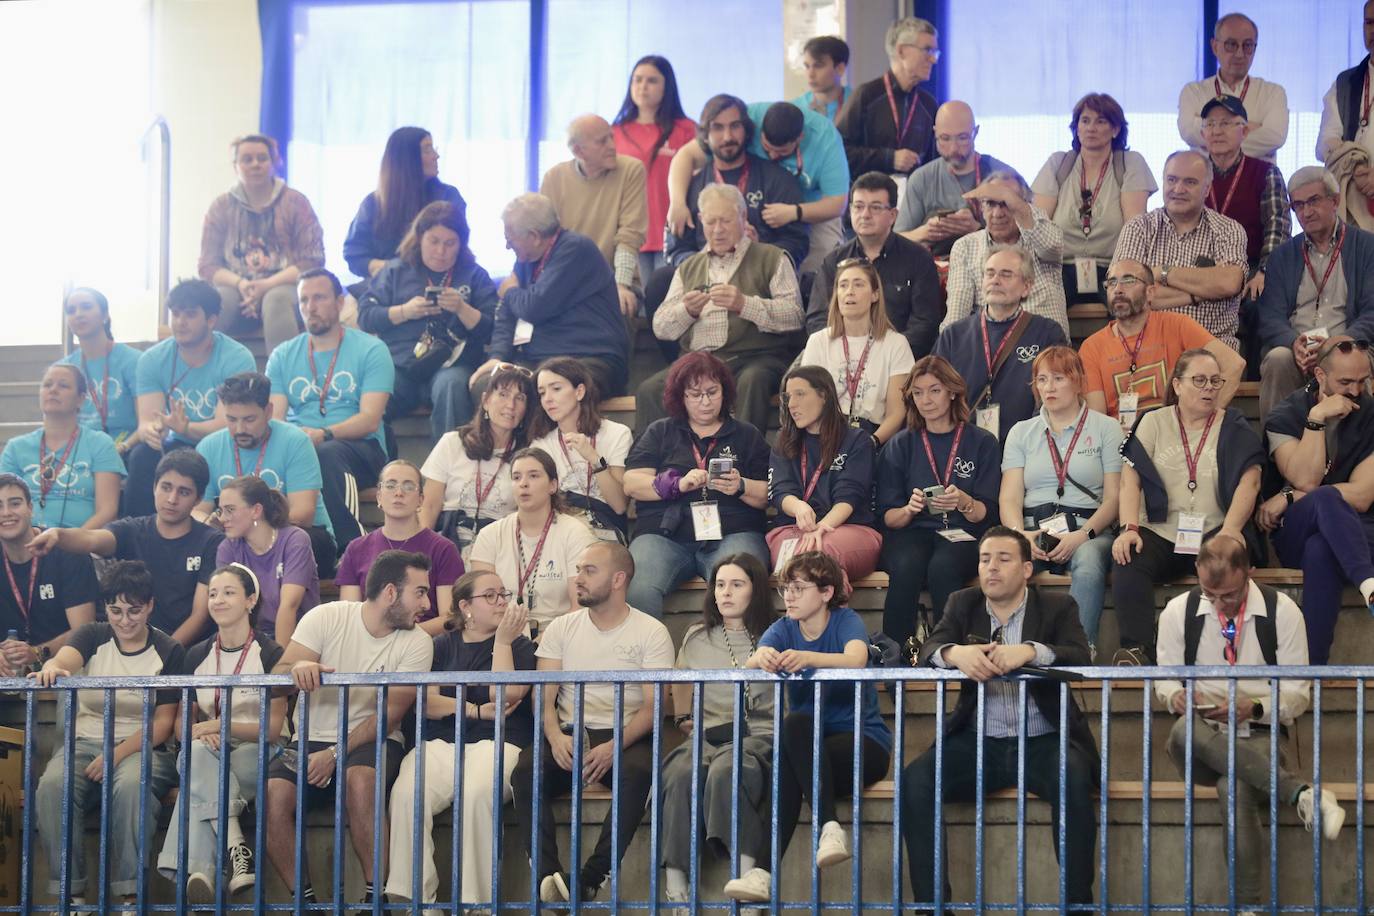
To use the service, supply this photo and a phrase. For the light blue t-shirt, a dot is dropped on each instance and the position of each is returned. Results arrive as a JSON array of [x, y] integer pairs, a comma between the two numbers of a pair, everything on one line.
[[832, 109], [71, 499], [116, 392], [364, 366], [161, 366], [824, 170], [1097, 454], [837, 703], [289, 463]]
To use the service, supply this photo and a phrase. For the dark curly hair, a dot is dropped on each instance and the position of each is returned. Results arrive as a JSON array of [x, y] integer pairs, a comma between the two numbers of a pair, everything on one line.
[[695, 367]]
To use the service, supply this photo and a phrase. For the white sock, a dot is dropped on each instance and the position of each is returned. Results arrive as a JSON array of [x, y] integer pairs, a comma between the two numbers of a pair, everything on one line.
[[1367, 589], [233, 831], [746, 863], [676, 880]]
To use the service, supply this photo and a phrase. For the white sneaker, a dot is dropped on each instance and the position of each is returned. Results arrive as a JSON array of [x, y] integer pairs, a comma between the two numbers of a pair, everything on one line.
[[1333, 815], [754, 886], [554, 889], [241, 874], [199, 888], [833, 847]]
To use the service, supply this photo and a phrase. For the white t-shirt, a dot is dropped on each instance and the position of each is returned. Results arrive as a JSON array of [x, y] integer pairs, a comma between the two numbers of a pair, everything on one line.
[[612, 443], [450, 464], [336, 631], [568, 537], [263, 655], [889, 358], [639, 643]]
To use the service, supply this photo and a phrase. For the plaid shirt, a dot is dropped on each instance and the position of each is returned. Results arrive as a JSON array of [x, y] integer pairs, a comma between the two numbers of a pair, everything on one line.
[[1274, 215], [780, 313], [1044, 240], [1152, 239]]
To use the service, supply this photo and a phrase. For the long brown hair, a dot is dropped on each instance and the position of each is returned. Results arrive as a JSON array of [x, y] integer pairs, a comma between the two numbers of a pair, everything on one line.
[[759, 615], [878, 325], [478, 442], [948, 376], [400, 182], [791, 437], [440, 213], [545, 460], [575, 372]]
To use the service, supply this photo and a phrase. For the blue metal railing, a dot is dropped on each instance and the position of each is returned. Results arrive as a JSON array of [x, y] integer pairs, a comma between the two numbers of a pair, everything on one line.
[[101, 900]]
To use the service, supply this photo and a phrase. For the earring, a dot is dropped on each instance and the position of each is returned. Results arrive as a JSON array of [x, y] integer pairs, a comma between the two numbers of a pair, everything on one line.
[[255, 523], [485, 415]]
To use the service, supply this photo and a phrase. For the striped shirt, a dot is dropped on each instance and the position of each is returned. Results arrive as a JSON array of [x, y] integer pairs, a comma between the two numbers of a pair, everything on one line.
[[1044, 240]]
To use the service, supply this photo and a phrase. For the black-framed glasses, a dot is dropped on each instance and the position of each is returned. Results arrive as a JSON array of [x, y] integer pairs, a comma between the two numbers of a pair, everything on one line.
[[492, 596], [1203, 382]]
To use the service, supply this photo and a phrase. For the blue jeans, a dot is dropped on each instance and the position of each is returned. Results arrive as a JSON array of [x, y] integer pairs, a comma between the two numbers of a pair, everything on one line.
[[451, 403], [1088, 580], [662, 564]]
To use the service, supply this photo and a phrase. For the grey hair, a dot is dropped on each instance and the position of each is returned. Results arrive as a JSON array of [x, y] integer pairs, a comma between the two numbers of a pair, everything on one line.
[[531, 213], [1011, 176], [904, 32], [726, 192], [1026, 258], [1216, 30], [1312, 174], [1207, 182]]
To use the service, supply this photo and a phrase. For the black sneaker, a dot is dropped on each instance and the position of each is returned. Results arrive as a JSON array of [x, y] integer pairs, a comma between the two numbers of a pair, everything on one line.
[[1133, 657]]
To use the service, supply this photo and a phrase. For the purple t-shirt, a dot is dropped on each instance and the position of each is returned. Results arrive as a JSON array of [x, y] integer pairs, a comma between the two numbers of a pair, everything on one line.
[[290, 561], [445, 566]]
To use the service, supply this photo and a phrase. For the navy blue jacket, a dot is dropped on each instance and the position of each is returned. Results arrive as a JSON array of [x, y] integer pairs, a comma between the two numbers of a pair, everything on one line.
[[1283, 272], [363, 244], [398, 282], [903, 466], [769, 183]]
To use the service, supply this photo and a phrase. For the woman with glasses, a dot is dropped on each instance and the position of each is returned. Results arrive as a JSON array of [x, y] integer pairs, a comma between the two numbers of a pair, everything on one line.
[[535, 549], [1091, 191], [486, 635], [820, 478], [589, 450], [1192, 471], [867, 359], [258, 238], [1061, 473], [699, 478], [467, 478], [398, 496], [938, 481], [738, 611], [259, 535], [109, 367], [819, 631]]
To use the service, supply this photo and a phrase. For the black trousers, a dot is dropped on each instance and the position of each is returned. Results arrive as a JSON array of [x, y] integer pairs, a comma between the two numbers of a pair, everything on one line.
[[1133, 588], [635, 778], [959, 783], [917, 559], [656, 289], [837, 772], [347, 466]]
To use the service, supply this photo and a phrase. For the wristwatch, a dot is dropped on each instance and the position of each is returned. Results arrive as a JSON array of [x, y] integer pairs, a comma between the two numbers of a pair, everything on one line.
[[1256, 711], [799, 213], [328, 434], [1314, 425], [1164, 275], [1288, 495], [601, 465], [1091, 533]]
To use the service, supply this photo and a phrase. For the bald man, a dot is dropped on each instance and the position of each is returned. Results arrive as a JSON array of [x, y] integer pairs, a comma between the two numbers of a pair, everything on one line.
[[1196, 254], [600, 194], [934, 211]]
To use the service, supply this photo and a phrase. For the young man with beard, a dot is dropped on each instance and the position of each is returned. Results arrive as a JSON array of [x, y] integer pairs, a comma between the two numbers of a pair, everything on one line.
[[1127, 364], [605, 634], [377, 634], [171, 542]]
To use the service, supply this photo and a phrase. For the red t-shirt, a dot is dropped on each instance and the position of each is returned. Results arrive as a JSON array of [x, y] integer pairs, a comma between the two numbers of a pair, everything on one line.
[[1107, 358], [637, 140]]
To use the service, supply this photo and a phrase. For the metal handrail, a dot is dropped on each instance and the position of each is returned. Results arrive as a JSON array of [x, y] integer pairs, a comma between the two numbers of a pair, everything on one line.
[[164, 241]]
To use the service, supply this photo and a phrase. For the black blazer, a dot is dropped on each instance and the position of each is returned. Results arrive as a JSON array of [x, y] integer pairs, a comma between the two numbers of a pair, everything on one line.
[[1052, 620]]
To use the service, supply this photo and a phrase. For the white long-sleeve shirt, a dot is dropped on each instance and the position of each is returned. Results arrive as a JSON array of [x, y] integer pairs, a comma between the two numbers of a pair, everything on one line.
[[1333, 124], [1266, 104]]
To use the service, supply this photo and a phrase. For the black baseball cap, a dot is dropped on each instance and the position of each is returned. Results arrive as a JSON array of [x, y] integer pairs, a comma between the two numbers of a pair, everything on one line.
[[1230, 103]]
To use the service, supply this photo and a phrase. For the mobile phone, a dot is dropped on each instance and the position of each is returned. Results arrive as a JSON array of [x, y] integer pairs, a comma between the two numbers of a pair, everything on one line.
[[1046, 541], [1204, 706], [432, 294], [931, 493], [942, 213], [703, 288], [719, 467]]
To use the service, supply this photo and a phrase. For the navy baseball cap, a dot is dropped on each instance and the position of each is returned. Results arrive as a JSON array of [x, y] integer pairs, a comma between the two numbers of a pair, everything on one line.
[[1230, 103]]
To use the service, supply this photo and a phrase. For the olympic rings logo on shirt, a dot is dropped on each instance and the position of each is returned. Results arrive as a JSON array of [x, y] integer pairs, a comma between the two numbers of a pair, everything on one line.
[[199, 405], [965, 468], [302, 388], [267, 476], [68, 476], [1028, 354]]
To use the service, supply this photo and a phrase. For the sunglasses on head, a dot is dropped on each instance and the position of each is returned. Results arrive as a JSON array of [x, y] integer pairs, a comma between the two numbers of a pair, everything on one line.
[[856, 261]]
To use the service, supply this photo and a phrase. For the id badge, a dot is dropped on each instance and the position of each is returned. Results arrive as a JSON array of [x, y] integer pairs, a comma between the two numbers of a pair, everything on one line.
[[524, 333], [954, 535], [1086, 269], [706, 522], [990, 419], [1057, 525], [1128, 405], [1317, 335], [1189, 540], [785, 551]]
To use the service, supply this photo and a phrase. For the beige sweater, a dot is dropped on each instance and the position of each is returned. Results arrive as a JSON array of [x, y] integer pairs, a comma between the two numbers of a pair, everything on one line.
[[610, 210]]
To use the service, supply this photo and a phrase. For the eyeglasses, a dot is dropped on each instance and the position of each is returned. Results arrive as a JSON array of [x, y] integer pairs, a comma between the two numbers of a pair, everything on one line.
[[954, 138], [1308, 204], [405, 486], [875, 209], [1125, 281], [1223, 125], [1231, 46], [795, 589], [1203, 382], [492, 596], [1228, 630], [932, 53], [693, 394]]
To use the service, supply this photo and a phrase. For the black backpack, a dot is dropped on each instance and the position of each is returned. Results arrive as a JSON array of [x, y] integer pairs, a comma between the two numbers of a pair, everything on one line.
[[1265, 628]]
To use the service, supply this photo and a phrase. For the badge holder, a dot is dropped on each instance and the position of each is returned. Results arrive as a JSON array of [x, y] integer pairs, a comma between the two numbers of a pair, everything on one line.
[[524, 333], [1128, 406], [706, 521], [1189, 538], [1086, 270], [786, 550], [990, 419]]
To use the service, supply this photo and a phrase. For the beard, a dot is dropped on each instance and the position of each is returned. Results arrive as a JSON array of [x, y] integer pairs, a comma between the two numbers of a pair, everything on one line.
[[594, 599], [399, 617]]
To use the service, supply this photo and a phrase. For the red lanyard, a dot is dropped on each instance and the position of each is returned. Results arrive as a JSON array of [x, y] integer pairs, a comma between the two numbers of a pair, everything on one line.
[[481, 493], [101, 400], [1061, 465], [262, 453], [24, 606], [987, 343], [1330, 265], [1230, 192], [701, 459], [851, 382], [539, 268], [1364, 117], [523, 574], [238, 667], [1085, 211], [1216, 84], [568, 458], [176, 379], [902, 125], [743, 182], [1189, 456], [329, 375], [953, 452], [1231, 651], [48, 472], [815, 478], [1134, 354]]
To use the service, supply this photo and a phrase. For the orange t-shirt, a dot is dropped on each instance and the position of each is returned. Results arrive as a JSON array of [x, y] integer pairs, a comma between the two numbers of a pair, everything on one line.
[[1107, 358]]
